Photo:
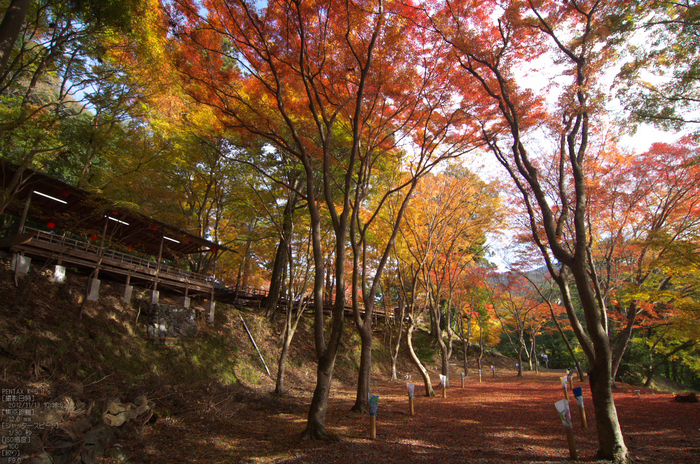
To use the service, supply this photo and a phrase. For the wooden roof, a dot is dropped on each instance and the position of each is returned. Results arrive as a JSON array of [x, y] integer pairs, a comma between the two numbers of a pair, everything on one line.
[[55, 203]]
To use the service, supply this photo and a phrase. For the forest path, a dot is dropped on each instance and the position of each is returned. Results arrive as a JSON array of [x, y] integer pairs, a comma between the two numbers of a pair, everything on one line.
[[498, 420]]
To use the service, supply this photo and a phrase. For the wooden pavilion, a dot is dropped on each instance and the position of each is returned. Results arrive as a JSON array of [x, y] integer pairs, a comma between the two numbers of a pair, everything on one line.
[[73, 227]]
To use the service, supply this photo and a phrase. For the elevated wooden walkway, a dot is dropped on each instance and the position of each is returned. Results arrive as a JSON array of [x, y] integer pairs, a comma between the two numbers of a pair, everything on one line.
[[71, 252], [253, 297], [68, 251]]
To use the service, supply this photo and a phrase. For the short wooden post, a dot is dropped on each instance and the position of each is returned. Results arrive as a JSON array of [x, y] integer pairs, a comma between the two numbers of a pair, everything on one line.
[[410, 405], [572, 444], [462, 379], [584, 424], [479, 375], [562, 407], [564, 385], [443, 382], [411, 388], [373, 405], [578, 394], [493, 371]]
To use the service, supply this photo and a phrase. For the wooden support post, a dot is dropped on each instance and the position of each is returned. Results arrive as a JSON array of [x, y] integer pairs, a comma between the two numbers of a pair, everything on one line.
[[410, 406], [578, 394], [582, 410], [479, 375], [373, 427], [154, 298], [572, 444], [23, 218], [210, 320], [566, 392]]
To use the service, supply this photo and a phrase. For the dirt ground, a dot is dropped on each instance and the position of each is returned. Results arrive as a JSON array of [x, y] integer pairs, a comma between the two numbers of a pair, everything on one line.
[[498, 420]]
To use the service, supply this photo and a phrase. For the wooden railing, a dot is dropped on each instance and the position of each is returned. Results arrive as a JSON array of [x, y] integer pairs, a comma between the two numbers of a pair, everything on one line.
[[65, 245]]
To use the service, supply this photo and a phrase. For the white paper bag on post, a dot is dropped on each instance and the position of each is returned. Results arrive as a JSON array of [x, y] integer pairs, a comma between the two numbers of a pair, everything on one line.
[[564, 413]]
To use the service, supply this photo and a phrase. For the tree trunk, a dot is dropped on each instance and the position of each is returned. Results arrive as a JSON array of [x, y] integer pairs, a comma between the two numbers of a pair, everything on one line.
[[282, 364], [9, 30], [568, 345], [533, 353], [364, 374], [243, 269], [416, 361], [610, 441], [466, 345], [290, 327], [316, 423], [444, 359], [481, 342], [394, 348], [520, 357], [394, 358], [269, 303]]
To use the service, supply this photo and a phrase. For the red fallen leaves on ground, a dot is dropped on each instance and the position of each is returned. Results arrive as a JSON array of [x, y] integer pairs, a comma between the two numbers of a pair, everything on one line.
[[500, 420]]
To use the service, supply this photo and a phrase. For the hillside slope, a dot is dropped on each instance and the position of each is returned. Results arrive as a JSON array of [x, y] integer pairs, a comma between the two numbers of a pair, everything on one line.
[[80, 355]]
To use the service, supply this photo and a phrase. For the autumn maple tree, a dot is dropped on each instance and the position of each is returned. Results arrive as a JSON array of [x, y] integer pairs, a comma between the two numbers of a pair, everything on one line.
[[519, 313], [444, 233], [471, 297], [336, 86], [644, 217], [494, 43]]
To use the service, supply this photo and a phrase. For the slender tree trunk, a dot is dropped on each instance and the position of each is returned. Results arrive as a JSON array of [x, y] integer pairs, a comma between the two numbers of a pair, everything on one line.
[[395, 348], [364, 374], [242, 278], [444, 358], [533, 354], [466, 344], [416, 361], [269, 304], [481, 342], [282, 364], [291, 323], [623, 340], [520, 356], [568, 345]]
